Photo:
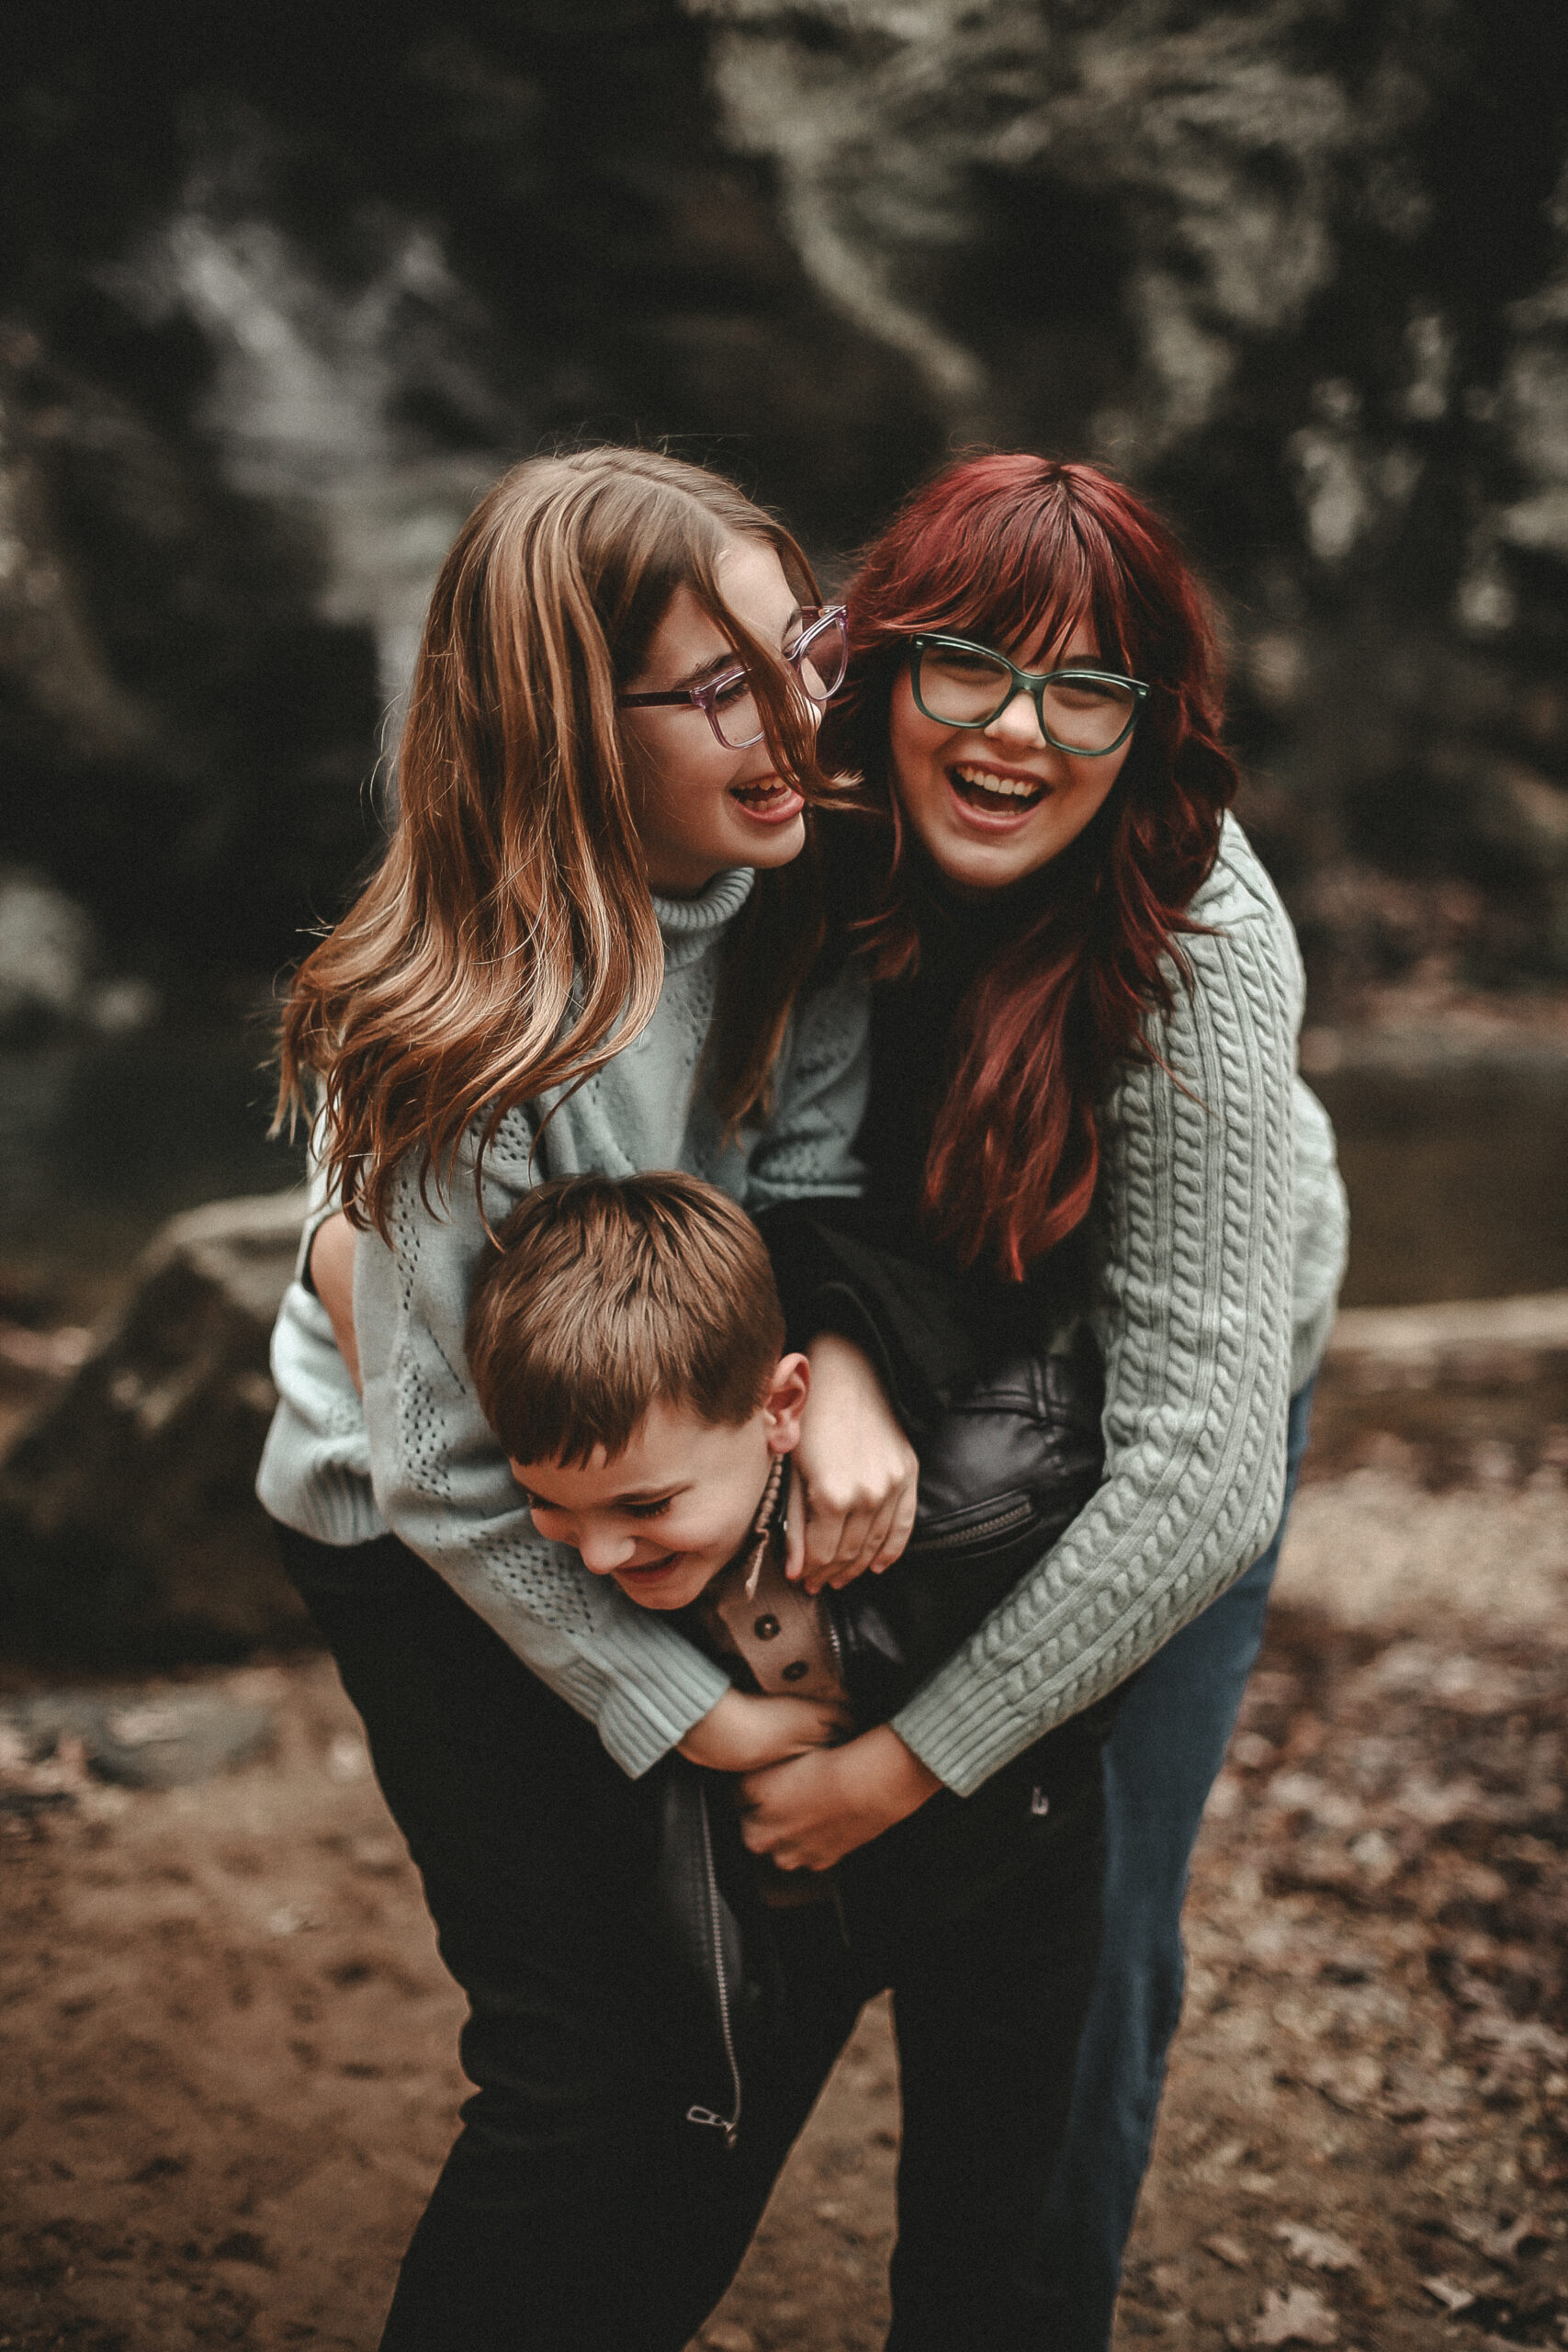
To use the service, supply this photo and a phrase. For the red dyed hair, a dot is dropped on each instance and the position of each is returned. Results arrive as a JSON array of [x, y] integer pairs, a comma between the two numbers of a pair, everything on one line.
[[1015, 550]]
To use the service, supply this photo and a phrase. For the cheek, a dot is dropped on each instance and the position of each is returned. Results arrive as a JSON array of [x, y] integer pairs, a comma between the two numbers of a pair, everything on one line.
[[720, 1523], [646, 781], [1096, 784], [714, 1529]]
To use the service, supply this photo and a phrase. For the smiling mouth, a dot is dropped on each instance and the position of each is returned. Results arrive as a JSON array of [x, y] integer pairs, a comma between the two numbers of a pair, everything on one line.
[[651, 1567], [997, 796], [769, 797]]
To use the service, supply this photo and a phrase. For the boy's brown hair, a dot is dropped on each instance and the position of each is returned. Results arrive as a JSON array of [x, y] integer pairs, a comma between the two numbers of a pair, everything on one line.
[[610, 1295]]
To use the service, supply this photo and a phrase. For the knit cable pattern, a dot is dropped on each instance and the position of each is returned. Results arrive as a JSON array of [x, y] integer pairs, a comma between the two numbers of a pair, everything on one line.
[[1195, 1317]]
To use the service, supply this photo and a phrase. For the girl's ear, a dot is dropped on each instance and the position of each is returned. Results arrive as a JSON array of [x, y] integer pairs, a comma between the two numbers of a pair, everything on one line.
[[785, 1402]]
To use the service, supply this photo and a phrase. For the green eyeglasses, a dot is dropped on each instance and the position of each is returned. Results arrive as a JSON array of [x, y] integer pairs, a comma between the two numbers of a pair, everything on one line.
[[1086, 711]]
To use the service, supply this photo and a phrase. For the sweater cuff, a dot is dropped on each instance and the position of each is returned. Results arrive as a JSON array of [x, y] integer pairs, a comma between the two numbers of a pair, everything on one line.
[[648, 1710], [964, 1736]]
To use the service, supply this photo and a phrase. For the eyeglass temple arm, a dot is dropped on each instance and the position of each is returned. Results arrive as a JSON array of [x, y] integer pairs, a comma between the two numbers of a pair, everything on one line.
[[825, 615]]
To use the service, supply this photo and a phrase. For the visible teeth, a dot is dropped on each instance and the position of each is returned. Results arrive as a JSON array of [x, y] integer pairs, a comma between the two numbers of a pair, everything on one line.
[[1007, 787]]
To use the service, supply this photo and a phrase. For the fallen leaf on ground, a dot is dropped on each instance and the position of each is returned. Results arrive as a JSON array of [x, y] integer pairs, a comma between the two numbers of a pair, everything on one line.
[[1350, 2084], [1298, 2316], [1319, 2249], [1228, 2250], [1444, 2292], [1522, 2036], [1498, 2246]]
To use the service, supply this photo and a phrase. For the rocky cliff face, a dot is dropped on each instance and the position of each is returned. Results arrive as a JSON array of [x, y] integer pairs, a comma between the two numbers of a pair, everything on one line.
[[1301, 269], [284, 293], [285, 289]]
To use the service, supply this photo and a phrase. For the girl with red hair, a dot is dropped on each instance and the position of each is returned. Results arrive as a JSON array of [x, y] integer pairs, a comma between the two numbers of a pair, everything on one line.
[[1084, 1091]]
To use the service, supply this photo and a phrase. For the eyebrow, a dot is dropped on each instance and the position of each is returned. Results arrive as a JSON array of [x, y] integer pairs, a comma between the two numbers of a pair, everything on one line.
[[719, 663], [654, 1494]]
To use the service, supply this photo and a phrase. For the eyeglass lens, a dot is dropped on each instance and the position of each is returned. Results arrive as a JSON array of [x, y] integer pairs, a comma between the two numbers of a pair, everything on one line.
[[962, 688], [819, 659]]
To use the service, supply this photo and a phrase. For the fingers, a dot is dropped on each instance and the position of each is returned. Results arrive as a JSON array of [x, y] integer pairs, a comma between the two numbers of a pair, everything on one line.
[[841, 1564], [819, 1723], [847, 1536], [821, 1535], [873, 1551], [836, 1533], [760, 1837], [900, 1527]]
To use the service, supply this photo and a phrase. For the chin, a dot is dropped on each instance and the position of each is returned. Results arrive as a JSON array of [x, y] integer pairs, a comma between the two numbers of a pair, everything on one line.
[[782, 847], [974, 867]]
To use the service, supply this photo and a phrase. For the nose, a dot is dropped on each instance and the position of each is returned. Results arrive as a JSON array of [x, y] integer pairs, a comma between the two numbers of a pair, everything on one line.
[[604, 1551], [1018, 722]]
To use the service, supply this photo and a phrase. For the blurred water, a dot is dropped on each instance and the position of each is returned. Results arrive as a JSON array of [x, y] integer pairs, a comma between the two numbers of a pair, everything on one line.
[[1457, 1168]]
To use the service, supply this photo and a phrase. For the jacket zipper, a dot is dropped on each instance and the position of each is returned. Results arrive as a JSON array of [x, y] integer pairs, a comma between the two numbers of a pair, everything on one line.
[[729, 2124], [834, 1644], [978, 1531]]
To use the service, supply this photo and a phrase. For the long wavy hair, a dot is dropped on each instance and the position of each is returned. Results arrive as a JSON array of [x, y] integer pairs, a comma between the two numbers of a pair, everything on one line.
[[507, 943], [1016, 550]]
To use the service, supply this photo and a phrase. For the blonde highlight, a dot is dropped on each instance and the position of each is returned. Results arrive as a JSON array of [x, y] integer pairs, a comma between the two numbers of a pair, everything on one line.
[[507, 946]]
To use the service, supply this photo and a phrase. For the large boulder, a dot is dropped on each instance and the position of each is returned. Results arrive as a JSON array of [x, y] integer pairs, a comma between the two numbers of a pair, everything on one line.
[[129, 1524]]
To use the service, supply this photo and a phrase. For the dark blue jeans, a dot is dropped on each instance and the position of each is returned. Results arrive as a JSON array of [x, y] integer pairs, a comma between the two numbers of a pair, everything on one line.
[[1167, 1745]]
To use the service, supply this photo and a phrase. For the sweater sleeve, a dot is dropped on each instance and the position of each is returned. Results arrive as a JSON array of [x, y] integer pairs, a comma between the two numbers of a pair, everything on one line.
[[314, 1470], [442, 1485], [1195, 1321]]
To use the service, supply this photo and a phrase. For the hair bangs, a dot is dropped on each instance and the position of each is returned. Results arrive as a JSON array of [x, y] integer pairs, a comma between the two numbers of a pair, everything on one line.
[[1016, 550], [1021, 572]]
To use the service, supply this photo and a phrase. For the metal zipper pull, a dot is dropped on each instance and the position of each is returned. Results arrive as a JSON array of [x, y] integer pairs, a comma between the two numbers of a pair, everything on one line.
[[729, 2124], [719, 2122]]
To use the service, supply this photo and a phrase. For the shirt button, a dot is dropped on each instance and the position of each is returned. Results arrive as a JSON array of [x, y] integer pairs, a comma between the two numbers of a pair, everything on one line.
[[765, 1628], [795, 1669]]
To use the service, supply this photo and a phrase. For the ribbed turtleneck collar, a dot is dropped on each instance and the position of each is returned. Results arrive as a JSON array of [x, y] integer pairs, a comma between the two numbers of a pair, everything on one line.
[[688, 926]]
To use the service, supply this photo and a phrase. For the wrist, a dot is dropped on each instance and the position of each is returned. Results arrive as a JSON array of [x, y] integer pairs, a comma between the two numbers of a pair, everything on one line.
[[893, 1776]]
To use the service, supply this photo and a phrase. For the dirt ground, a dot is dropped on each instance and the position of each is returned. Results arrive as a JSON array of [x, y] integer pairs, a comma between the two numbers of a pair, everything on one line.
[[228, 2070]]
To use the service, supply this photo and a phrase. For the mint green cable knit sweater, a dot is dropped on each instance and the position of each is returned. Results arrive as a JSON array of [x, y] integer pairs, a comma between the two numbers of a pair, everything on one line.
[[1223, 1238]]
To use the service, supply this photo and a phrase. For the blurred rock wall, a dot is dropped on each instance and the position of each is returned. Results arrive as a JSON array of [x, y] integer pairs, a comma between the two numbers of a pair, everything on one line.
[[1301, 268], [285, 289]]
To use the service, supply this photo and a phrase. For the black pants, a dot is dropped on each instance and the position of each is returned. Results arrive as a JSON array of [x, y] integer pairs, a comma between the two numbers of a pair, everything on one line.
[[579, 2210]]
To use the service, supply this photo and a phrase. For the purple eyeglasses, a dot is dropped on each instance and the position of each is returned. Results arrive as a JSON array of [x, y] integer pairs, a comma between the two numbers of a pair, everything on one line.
[[819, 657]]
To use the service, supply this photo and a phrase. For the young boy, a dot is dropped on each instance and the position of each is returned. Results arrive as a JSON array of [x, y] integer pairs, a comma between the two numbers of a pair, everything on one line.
[[630, 1350], [629, 1347]]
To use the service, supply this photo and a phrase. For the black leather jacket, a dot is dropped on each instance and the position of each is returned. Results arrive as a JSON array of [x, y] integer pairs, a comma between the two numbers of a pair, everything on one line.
[[1011, 1450]]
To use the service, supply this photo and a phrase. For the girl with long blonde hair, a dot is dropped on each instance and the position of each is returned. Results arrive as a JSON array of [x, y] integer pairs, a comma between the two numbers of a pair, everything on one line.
[[582, 950]]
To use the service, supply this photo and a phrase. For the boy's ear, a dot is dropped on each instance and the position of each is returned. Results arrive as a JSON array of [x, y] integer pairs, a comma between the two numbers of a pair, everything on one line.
[[785, 1403]]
